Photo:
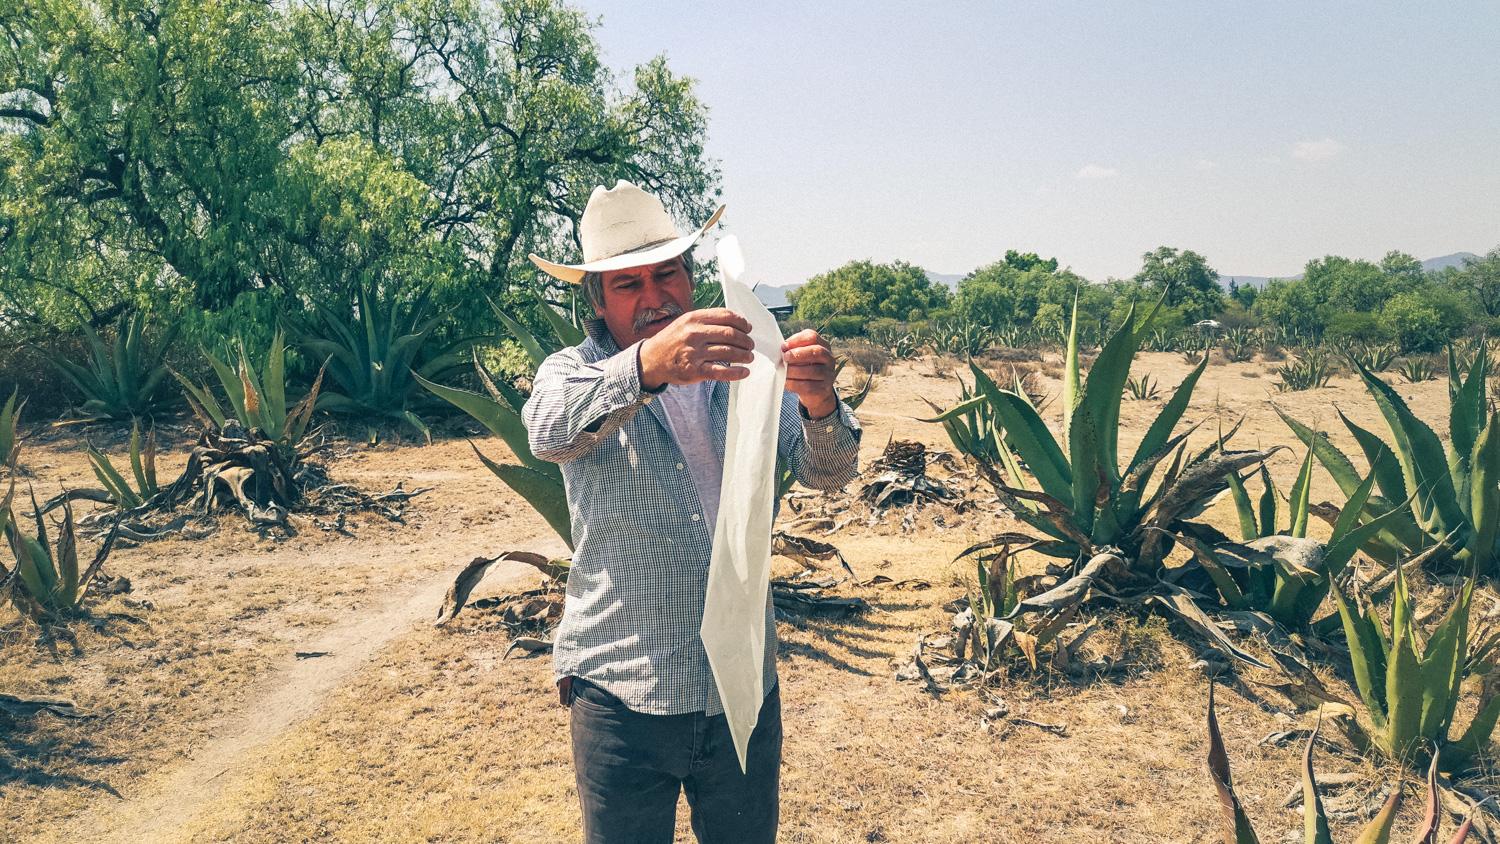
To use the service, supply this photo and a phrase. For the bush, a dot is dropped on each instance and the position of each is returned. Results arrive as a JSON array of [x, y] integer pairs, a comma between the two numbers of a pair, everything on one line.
[[844, 326], [1422, 321], [870, 358], [1357, 327]]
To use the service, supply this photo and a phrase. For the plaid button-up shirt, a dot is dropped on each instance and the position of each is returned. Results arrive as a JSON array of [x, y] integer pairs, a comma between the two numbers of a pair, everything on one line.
[[641, 543]]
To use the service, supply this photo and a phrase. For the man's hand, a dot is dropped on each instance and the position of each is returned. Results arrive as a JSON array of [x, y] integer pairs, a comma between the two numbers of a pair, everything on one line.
[[700, 345], [809, 372]]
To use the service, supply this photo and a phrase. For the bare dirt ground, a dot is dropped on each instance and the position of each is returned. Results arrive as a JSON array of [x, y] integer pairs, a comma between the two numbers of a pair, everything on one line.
[[209, 727]]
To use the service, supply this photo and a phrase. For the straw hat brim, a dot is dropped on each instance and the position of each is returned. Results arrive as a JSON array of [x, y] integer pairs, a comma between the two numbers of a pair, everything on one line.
[[574, 273]]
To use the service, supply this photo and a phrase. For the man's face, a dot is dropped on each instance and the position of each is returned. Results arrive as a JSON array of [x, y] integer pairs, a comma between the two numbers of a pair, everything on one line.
[[640, 301]]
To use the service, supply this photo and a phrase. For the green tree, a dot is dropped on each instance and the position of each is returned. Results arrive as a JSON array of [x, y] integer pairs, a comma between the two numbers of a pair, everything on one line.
[[1194, 285], [1479, 279], [190, 151], [1291, 304], [1423, 320], [866, 290]]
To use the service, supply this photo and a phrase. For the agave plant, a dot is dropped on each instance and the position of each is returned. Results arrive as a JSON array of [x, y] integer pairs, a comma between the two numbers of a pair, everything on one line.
[[1282, 573], [47, 582], [1371, 357], [373, 346], [1410, 684], [1455, 491], [117, 490], [1143, 388], [10, 420], [123, 380], [1235, 822], [1416, 370], [1162, 340], [1087, 501], [1238, 344], [256, 399], [1310, 371]]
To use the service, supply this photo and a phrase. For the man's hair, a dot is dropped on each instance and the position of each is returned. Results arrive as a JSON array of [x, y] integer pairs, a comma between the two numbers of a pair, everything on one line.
[[593, 283]]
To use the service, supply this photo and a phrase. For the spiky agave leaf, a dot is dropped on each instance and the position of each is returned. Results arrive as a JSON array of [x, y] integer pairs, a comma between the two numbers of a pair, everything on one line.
[[1234, 822], [10, 419]]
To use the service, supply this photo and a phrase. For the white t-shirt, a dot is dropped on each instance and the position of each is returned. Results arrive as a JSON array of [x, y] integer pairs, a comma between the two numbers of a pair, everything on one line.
[[686, 408]]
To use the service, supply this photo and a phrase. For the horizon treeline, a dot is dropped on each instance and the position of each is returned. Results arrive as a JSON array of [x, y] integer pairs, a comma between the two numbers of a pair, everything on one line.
[[1338, 300]]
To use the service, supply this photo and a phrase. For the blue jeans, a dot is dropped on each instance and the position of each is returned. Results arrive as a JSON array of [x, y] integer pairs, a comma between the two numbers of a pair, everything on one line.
[[630, 767]]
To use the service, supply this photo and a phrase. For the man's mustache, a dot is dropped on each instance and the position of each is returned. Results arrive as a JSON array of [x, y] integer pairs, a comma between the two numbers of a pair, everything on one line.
[[667, 311]]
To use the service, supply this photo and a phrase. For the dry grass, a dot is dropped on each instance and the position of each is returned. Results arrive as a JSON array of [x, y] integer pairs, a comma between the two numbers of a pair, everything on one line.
[[438, 739]]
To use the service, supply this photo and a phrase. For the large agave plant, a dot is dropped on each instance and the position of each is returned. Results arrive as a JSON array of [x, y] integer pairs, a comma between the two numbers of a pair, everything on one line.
[[1454, 490], [256, 399], [1088, 501], [534, 479], [1235, 822], [1410, 684], [123, 380], [118, 490], [373, 345]]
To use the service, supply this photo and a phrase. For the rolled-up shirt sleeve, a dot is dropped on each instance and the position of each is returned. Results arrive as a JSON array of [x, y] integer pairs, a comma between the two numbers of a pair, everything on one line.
[[574, 404], [823, 453]]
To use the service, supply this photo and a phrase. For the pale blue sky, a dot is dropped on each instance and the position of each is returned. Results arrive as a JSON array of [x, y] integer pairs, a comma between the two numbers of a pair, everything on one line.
[[1260, 134]]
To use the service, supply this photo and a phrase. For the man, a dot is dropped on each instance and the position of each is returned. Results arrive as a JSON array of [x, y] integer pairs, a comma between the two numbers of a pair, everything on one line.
[[636, 416]]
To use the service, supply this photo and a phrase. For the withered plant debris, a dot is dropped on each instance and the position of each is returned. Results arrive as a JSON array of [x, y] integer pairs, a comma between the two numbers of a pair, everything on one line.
[[22, 706], [238, 469], [900, 478]]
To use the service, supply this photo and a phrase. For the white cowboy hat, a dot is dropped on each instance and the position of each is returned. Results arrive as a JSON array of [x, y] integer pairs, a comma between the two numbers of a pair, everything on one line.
[[624, 227]]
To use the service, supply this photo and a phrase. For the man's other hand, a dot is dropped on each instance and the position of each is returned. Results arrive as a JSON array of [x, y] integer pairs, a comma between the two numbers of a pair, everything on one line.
[[701, 345], [809, 372]]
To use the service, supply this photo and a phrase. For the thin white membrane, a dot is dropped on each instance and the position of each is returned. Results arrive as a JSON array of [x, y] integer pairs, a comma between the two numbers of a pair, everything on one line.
[[739, 570]]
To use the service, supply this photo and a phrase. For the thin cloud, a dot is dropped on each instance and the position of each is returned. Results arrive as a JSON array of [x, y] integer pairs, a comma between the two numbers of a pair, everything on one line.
[[1203, 165], [1097, 171], [1322, 150]]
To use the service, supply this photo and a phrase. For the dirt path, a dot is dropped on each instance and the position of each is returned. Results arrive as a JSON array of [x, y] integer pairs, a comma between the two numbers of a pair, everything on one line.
[[281, 700]]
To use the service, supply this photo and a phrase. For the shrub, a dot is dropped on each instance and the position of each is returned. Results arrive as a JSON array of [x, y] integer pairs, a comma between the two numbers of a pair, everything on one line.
[[870, 358]]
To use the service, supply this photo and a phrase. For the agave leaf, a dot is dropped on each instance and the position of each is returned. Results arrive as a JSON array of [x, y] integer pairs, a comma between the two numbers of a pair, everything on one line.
[[1404, 689], [1423, 460], [521, 334], [1235, 823], [1267, 502], [1466, 413], [544, 493], [1164, 423], [500, 418], [234, 388], [1484, 496], [1070, 374], [1314, 820], [1379, 829], [1300, 498], [1366, 656], [1028, 434], [65, 558], [1248, 528], [1381, 459], [563, 330], [112, 480], [9, 425], [1476, 736], [1442, 666]]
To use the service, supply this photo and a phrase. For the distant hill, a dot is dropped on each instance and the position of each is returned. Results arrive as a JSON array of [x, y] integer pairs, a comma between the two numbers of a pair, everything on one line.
[[775, 297]]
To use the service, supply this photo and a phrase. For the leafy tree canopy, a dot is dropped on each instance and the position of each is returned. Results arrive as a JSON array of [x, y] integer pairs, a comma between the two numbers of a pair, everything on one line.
[[868, 290], [1194, 285]]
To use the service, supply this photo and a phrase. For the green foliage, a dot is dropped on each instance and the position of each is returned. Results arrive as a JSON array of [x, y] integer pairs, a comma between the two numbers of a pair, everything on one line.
[[1190, 285], [865, 290], [1410, 684], [1422, 321], [373, 346], [121, 380], [1455, 490], [142, 466], [46, 581], [1374, 358], [194, 153], [256, 399]]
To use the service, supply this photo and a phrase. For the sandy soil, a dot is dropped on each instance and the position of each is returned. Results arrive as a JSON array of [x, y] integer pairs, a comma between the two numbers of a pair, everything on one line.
[[210, 728]]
